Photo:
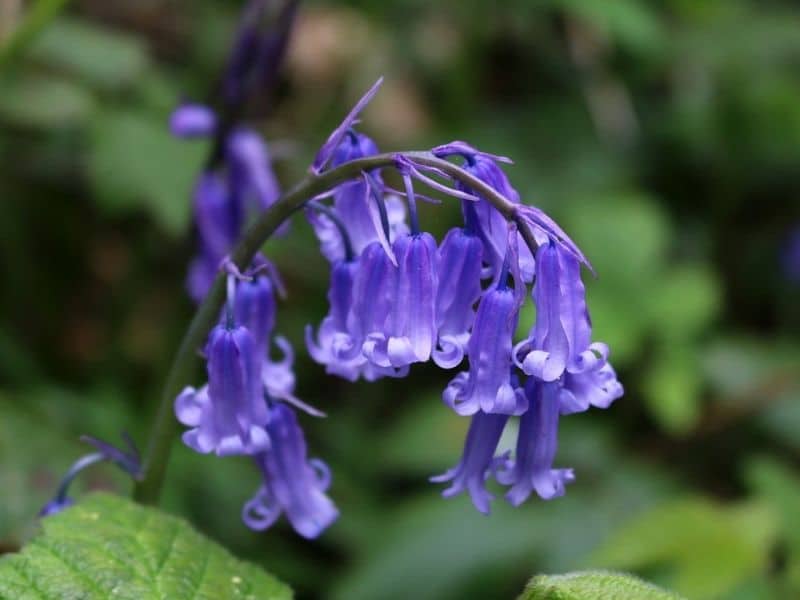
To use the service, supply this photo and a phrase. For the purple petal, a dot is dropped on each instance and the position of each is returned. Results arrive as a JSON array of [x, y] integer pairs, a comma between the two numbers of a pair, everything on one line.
[[471, 472], [536, 447], [192, 121]]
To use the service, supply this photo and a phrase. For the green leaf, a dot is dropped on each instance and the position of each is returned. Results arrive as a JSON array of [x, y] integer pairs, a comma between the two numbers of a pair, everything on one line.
[[108, 547], [759, 377], [36, 102], [671, 387], [711, 548], [590, 585], [135, 164], [780, 488], [687, 299], [105, 59]]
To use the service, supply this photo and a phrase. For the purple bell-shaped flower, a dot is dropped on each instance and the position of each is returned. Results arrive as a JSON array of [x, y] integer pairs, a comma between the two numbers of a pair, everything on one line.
[[229, 415], [487, 386], [477, 462], [459, 289], [254, 307], [292, 484], [537, 442], [334, 345], [560, 339], [410, 331]]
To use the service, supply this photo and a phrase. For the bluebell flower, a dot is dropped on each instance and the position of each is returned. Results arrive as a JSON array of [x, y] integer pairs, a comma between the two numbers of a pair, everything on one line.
[[478, 460], [277, 376], [127, 460], [481, 216], [488, 385], [335, 346], [355, 205], [352, 199], [597, 386], [257, 52], [251, 166], [373, 285], [458, 291], [217, 216], [224, 196], [254, 307], [560, 339], [193, 121], [228, 415], [537, 443], [292, 484], [409, 334], [329, 236]]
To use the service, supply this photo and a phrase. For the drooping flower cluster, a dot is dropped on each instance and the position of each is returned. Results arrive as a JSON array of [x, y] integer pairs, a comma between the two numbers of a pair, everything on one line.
[[397, 297]]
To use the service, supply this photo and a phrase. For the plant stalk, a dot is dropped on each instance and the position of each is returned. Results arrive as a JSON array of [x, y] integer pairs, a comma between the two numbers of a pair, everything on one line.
[[165, 427]]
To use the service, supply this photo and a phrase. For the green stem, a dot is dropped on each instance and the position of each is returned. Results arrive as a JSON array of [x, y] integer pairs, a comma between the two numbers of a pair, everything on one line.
[[165, 427]]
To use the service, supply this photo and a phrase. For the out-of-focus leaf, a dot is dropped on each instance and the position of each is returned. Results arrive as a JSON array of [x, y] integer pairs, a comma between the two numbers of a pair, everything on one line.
[[591, 585], [441, 540], [687, 299], [39, 15], [672, 387], [711, 547], [751, 376], [109, 547], [409, 445], [43, 103], [134, 164], [108, 60], [626, 238], [740, 365], [777, 485], [627, 22]]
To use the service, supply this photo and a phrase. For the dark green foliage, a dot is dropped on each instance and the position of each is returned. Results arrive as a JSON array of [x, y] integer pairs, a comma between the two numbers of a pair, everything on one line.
[[109, 547]]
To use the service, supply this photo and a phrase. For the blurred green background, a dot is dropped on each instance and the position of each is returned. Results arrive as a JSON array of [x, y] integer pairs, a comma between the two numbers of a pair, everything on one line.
[[663, 136]]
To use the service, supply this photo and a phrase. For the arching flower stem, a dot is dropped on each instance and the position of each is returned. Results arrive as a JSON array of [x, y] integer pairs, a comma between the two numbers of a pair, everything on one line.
[[165, 427]]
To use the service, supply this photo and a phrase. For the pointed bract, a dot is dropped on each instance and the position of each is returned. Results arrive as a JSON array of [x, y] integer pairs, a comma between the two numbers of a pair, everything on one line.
[[332, 143]]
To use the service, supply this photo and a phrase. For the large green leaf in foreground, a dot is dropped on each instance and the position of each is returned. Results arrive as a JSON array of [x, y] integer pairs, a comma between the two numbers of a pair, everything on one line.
[[593, 585], [108, 547]]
